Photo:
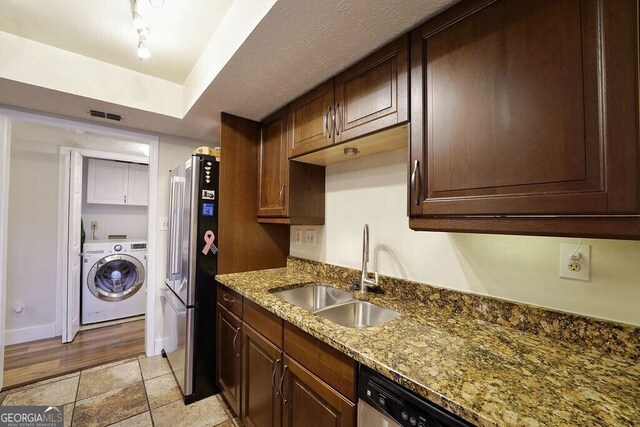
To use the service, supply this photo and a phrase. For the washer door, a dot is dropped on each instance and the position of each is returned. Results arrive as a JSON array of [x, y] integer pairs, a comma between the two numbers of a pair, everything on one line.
[[115, 277]]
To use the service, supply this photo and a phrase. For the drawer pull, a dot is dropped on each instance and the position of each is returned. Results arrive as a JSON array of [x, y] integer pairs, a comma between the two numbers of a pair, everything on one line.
[[228, 299]]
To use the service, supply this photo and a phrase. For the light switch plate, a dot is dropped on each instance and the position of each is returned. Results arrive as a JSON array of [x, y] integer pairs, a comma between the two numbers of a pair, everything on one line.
[[310, 237]]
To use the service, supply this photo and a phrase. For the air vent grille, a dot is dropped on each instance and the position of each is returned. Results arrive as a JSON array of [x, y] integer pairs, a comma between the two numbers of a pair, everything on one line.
[[108, 116]]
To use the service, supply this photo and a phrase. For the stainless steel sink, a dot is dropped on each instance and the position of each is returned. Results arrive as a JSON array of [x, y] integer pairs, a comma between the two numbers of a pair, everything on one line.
[[358, 314], [315, 298]]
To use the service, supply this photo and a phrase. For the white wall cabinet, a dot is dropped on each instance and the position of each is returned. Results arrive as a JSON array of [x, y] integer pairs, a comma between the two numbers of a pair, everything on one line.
[[117, 183]]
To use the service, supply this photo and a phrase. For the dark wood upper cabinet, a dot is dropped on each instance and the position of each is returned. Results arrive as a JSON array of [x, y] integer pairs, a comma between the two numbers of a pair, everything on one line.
[[311, 120], [288, 192], [272, 195], [229, 361], [526, 111], [373, 94], [370, 96]]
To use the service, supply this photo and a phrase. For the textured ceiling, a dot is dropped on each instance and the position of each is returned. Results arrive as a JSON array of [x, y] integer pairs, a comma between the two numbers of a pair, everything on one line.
[[104, 30], [298, 44]]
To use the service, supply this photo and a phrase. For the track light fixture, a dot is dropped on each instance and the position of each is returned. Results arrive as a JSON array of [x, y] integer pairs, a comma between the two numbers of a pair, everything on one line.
[[143, 31]]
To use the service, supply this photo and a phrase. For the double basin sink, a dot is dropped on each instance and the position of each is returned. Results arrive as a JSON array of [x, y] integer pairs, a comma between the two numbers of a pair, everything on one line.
[[337, 306]]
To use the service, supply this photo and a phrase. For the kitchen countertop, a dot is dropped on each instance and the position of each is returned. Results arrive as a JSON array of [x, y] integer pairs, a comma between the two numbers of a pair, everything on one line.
[[488, 374]]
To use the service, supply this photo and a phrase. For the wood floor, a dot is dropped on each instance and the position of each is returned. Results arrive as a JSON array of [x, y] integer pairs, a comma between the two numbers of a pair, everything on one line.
[[39, 360]]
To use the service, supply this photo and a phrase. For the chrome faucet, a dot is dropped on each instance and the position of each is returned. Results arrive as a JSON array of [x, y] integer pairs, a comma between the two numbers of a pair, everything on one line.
[[365, 279]]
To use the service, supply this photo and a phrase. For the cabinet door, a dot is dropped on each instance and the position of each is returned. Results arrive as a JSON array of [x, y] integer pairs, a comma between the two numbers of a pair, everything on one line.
[[272, 168], [373, 94], [107, 182], [526, 108], [229, 360], [311, 120], [138, 185], [310, 402], [261, 403]]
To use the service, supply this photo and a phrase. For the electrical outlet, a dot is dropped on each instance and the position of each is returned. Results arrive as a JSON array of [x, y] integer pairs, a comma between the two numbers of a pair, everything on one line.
[[577, 269], [297, 236], [18, 309], [310, 237], [164, 223]]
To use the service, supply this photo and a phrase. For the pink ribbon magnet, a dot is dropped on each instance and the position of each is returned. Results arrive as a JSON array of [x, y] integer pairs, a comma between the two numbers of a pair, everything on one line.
[[209, 237]]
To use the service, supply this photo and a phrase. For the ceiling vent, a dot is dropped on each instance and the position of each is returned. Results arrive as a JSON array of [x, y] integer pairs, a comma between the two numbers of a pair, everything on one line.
[[108, 116]]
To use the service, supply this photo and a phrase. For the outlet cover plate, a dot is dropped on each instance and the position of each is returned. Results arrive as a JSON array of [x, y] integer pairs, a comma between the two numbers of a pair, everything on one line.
[[164, 223], [566, 249], [297, 236]]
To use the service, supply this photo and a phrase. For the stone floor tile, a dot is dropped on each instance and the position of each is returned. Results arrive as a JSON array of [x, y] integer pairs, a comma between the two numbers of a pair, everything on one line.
[[99, 381], [3, 394], [162, 390], [140, 420], [206, 412], [110, 365], [111, 407], [43, 382], [68, 414], [53, 393], [153, 366]]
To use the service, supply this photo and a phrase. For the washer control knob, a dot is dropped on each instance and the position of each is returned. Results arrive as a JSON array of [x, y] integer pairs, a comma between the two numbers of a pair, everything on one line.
[[413, 421], [117, 248], [382, 400], [404, 416]]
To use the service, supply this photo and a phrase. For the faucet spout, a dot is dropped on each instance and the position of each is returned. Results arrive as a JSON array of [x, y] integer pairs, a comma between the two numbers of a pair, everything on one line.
[[365, 279]]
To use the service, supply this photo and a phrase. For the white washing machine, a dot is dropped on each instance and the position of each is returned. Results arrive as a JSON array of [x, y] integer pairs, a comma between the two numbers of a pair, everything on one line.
[[113, 282]]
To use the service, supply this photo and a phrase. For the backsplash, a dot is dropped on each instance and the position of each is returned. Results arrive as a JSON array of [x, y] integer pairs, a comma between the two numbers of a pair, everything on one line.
[[613, 338]]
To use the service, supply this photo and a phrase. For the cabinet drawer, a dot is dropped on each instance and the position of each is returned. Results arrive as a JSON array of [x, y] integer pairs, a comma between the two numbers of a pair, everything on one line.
[[335, 368], [263, 321], [230, 300]]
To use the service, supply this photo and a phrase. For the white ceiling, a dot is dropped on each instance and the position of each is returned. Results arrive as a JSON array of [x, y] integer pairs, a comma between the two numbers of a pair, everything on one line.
[[297, 45], [103, 30]]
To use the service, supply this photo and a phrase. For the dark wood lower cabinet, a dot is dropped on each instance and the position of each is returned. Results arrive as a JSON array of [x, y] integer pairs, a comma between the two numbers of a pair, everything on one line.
[[310, 402], [261, 403], [229, 344]]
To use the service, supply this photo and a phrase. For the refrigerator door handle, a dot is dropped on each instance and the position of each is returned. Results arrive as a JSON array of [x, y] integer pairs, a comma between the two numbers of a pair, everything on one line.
[[165, 292], [175, 225]]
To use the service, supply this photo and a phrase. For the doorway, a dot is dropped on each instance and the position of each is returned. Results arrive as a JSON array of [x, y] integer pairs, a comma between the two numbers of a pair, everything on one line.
[[121, 146]]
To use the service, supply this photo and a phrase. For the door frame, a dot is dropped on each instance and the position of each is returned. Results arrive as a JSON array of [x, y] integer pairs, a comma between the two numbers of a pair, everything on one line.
[[5, 160], [153, 141], [64, 186]]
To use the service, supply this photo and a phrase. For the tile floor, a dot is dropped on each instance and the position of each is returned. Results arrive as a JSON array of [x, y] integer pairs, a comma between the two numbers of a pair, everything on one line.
[[133, 392]]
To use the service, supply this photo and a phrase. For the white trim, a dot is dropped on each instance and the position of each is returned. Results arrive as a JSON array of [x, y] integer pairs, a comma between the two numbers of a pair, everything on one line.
[[108, 155], [159, 345], [63, 239], [5, 159], [152, 232], [32, 333], [153, 142]]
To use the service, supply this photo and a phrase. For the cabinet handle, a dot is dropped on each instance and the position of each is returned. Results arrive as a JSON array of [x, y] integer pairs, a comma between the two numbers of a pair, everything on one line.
[[282, 195], [235, 338], [330, 118], [414, 182], [325, 123], [228, 299], [273, 377], [338, 119], [284, 371]]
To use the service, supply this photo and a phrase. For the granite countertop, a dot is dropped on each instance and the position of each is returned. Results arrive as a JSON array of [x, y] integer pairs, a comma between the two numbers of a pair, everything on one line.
[[488, 374]]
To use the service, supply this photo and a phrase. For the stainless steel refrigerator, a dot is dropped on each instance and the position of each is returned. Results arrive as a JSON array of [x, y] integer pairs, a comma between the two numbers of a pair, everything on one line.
[[189, 294]]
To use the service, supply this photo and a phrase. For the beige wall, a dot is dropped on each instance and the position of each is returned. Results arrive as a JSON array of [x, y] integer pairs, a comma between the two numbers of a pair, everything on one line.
[[519, 268]]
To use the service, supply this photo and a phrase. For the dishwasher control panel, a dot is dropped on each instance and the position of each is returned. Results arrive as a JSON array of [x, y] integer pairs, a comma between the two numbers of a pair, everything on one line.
[[404, 406]]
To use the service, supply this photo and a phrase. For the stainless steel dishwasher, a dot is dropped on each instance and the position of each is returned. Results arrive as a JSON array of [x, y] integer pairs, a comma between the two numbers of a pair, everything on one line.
[[383, 403]]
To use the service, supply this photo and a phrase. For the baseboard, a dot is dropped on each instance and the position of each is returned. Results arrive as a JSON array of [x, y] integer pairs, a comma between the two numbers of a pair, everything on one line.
[[158, 346], [17, 336]]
